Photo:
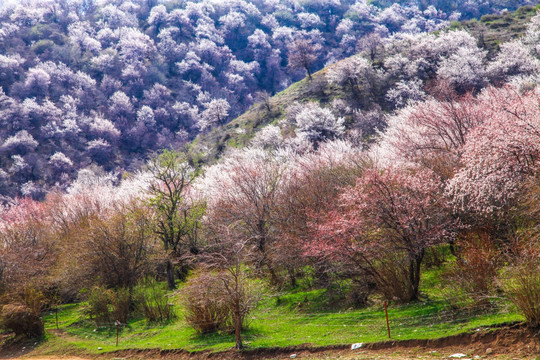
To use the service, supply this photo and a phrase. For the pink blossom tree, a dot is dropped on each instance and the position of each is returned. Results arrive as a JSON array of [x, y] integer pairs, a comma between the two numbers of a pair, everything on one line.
[[389, 218], [432, 133], [311, 188], [28, 247], [500, 154]]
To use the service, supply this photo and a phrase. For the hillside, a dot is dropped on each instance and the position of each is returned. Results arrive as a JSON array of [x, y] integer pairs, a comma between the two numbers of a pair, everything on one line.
[[208, 147], [490, 32], [100, 86], [493, 30]]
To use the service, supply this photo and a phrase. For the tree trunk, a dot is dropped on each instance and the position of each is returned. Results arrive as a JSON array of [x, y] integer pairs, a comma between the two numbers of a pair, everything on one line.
[[415, 262], [453, 249], [170, 274], [308, 72], [321, 276], [274, 279], [238, 327], [264, 256], [292, 277]]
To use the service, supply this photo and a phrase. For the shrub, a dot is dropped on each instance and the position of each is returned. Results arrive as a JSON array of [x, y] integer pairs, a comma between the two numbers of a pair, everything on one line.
[[153, 301], [99, 305], [436, 256], [22, 321], [476, 267], [205, 305], [393, 277], [116, 248], [521, 283], [105, 306], [358, 294], [121, 305], [219, 300], [35, 300]]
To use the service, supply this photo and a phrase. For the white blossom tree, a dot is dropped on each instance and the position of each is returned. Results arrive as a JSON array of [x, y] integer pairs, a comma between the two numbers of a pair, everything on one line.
[[215, 113], [318, 124]]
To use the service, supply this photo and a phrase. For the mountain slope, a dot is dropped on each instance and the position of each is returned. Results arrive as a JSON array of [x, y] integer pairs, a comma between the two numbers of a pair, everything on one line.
[[490, 32], [207, 147]]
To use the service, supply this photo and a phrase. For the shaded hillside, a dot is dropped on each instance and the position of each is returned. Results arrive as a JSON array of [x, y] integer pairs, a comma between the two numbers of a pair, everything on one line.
[[105, 84]]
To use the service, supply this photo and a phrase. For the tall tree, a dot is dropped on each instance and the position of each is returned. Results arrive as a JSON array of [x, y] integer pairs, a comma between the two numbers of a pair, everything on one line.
[[242, 192], [226, 252], [176, 214]]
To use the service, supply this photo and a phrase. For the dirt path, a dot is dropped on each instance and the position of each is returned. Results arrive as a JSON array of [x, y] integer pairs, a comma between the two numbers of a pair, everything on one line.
[[505, 344], [51, 358]]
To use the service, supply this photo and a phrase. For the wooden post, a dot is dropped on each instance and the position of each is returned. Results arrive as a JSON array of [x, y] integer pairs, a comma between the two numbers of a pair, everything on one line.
[[387, 322], [117, 323]]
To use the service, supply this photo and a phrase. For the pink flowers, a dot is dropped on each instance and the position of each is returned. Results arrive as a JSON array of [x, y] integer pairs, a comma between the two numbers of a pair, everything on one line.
[[500, 154], [392, 212]]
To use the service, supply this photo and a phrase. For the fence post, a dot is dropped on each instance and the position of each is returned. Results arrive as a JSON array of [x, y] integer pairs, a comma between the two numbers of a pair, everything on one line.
[[117, 323], [387, 322]]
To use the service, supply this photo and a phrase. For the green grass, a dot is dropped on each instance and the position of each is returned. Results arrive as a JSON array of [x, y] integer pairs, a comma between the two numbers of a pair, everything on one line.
[[292, 318], [493, 30]]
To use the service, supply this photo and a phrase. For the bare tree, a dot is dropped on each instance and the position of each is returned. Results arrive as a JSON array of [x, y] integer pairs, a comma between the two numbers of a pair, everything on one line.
[[117, 248], [264, 99], [302, 54], [227, 252]]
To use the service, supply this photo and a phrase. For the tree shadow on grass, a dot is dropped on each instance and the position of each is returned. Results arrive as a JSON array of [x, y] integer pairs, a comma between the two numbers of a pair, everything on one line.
[[220, 340]]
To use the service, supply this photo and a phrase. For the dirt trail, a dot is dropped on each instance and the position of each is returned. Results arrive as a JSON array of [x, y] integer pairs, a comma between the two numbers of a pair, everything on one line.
[[505, 343], [51, 358]]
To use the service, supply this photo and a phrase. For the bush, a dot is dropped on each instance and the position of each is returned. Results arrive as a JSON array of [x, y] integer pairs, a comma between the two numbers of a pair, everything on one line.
[[205, 305], [393, 278], [436, 256], [105, 306], [99, 305], [219, 301], [117, 249], [358, 294], [153, 301], [22, 321], [121, 305], [521, 283], [35, 300], [476, 268]]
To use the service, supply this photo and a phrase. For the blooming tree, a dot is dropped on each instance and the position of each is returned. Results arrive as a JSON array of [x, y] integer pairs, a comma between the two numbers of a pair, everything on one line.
[[499, 156], [464, 69], [303, 53], [318, 124], [242, 192], [390, 216], [513, 59]]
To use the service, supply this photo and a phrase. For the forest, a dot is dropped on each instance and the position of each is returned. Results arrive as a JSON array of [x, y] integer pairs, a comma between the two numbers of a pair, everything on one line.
[[88, 83], [414, 148]]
